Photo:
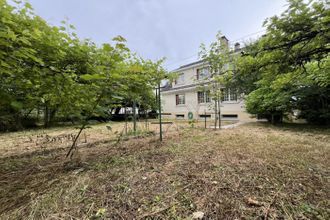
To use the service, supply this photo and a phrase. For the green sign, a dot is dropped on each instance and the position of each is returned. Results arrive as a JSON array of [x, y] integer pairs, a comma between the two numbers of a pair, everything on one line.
[[190, 115]]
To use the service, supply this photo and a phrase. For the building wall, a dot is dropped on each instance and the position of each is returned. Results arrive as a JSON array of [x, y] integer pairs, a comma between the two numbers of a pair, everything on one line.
[[191, 105], [190, 76], [170, 109]]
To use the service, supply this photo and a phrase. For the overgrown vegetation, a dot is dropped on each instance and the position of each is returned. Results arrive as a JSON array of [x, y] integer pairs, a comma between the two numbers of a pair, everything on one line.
[[285, 72], [288, 68], [252, 171], [120, 172], [47, 71]]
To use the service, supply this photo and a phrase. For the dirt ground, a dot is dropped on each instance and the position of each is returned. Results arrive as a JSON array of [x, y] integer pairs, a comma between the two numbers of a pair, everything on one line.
[[254, 171]]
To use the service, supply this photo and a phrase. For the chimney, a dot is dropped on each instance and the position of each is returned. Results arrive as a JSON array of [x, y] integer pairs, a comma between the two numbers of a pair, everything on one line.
[[237, 47], [224, 41]]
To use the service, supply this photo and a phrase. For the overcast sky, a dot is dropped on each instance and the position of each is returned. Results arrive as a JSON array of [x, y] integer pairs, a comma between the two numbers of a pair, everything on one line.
[[162, 28]]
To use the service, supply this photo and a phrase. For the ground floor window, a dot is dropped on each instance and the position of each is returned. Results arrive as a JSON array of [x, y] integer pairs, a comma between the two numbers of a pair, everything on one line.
[[203, 97], [180, 116], [229, 94], [231, 116], [205, 116], [180, 99]]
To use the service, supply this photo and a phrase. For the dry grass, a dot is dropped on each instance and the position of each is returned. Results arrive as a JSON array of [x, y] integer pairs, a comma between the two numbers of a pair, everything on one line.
[[253, 171]]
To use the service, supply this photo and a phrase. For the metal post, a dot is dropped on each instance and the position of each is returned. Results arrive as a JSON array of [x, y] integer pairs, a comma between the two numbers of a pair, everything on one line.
[[125, 120], [160, 114], [134, 117], [156, 95], [205, 119]]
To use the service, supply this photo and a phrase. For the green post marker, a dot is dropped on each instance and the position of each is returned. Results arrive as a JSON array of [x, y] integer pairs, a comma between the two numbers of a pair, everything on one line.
[[160, 114], [190, 116]]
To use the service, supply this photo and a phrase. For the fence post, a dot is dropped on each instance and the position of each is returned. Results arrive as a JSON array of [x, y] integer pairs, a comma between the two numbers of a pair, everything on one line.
[[160, 114], [205, 119]]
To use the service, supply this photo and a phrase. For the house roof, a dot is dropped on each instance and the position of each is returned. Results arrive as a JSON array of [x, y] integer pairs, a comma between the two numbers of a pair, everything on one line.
[[191, 64], [188, 65], [170, 88]]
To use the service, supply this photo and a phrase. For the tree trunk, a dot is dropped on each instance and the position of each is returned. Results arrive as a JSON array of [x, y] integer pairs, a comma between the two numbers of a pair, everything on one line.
[[52, 114], [219, 110], [117, 110], [134, 116], [215, 114], [146, 119], [46, 116], [125, 120]]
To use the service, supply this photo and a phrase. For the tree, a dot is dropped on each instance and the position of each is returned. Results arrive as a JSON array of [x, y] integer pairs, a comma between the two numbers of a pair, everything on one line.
[[47, 70], [288, 68], [218, 58]]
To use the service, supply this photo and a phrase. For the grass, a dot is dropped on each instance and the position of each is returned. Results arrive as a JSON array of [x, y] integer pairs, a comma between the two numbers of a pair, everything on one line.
[[252, 171]]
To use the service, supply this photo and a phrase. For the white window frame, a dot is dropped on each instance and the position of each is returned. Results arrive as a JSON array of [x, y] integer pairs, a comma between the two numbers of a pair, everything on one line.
[[228, 96], [203, 73], [180, 101], [180, 79]]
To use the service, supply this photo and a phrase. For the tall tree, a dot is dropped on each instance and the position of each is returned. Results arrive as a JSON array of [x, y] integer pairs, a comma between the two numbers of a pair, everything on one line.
[[218, 59], [288, 68]]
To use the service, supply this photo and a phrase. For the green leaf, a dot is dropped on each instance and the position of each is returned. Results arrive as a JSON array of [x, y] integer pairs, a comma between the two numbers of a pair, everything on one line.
[[89, 77], [17, 105], [119, 39]]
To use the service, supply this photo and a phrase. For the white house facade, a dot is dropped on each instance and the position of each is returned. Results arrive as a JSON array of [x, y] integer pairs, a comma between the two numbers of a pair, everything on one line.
[[186, 97]]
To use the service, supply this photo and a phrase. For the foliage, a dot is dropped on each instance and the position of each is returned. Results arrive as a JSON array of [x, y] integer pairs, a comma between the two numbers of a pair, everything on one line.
[[288, 68], [47, 71], [218, 59]]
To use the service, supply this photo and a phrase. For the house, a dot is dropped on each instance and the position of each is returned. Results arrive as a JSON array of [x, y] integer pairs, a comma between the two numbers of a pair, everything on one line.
[[185, 98]]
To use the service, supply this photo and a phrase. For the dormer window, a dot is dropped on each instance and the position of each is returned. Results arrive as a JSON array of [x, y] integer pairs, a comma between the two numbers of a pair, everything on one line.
[[180, 79], [203, 73]]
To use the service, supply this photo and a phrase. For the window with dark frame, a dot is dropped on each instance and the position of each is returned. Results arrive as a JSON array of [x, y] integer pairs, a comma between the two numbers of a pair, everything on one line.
[[180, 99]]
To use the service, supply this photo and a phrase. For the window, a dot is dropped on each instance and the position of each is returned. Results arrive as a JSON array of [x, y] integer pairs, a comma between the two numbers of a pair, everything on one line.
[[225, 95], [233, 95], [179, 116], [180, 79], [203, 73], [203, 97], [205, 116], [229, 95], [180, 99], [230, 116]]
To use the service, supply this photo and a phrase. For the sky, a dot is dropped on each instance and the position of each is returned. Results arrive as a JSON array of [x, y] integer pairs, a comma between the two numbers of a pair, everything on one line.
[[162, 28]]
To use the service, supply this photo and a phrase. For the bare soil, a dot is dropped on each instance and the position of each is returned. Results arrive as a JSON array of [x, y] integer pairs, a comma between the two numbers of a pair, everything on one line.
[[254, 171]]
